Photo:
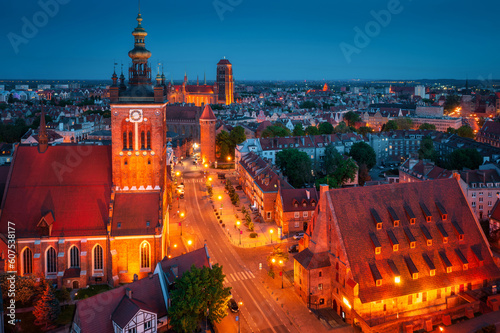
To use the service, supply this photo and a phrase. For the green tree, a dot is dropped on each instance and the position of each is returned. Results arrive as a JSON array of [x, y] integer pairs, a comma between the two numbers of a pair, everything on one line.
[[325, 128], [296, 165], [278, 130], [363, 175], [338, 170], [362, 153], [307, 105], [404, 123], [196, 291], [352, 118], [277, 258], [391, 125], [427, 150], [47, 309], [342, 128], [298, 130], [363, 130], [312, 130], [237, 136], [427, 126], [223, 144], [464, 158], [466, 132]]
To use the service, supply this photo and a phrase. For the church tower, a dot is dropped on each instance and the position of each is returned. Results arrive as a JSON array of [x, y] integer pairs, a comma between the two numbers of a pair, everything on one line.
[[138, 123], [225, 82], [207, 135]]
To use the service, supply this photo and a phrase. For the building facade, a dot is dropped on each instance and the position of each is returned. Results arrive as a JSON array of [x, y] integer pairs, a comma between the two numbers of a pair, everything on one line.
[[207, 135]]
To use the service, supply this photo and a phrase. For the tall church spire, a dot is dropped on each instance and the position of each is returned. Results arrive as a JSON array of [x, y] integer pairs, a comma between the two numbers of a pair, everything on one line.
[[43, 137], [139, 71]]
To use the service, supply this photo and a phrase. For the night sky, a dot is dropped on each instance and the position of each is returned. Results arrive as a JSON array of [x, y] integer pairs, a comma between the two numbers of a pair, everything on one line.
[[264, 40]]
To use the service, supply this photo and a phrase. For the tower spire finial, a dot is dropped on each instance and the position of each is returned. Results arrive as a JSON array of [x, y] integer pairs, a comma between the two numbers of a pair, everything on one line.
[[139, 7]]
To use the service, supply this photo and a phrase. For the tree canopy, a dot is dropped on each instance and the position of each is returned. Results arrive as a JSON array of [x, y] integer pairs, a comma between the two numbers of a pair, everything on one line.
[[338, 170], [352, 118], [278, 130], [325, 128], [466, 132], [226, 142], [342, 128], [427, 126], [390, 126], [363, 130], [307, 105], [296, 165], [451, 103], [312, 130], [363, 153], [464, 158], [195, 292], [298, 130], [47, 309], [427, 150]]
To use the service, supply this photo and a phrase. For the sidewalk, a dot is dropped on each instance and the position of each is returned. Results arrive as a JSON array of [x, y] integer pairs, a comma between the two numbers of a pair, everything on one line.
[[267, 233]]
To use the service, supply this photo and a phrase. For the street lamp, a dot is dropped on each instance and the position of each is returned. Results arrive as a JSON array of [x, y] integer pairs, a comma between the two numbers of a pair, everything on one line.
[[282, 264], [239, 319], [271, 232], [229, 158], [239, 230], [189, 244], [220, 199]]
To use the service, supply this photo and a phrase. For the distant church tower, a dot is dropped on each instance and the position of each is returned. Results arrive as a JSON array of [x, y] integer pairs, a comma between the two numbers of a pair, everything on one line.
[[138, 124], [225, 82], [207, 135]]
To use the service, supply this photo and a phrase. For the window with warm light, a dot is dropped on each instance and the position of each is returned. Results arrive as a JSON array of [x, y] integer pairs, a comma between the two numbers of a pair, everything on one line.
[[395, 247], [346, 302], [414, 276], [397, 279], [378, 250], [433, 272], [378, 283], [449, 269]]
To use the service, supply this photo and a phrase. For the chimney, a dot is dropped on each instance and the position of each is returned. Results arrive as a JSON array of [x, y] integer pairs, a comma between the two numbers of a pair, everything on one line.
[[456, 175], [175, 271], [128, 293]]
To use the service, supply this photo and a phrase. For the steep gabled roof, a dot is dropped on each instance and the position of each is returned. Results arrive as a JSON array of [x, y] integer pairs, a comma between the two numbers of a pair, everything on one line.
[[208, 114]]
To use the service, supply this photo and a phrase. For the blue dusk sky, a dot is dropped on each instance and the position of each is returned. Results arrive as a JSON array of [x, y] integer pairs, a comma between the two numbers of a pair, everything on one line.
[[264, 40]]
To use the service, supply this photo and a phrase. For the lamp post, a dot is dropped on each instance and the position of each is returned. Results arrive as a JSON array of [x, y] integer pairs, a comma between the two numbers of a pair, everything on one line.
[[271, 232], [239, 230], [239, 319], [220, 199], [282, 264], [180, 223], [189, 244]]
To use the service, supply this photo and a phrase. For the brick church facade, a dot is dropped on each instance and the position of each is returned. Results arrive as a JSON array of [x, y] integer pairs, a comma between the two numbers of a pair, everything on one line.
[[87, 214]]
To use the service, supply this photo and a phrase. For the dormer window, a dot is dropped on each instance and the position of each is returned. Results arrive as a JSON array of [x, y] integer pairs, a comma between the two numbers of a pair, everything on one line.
[[463, 259], [376, 218], [409, 214], [394, 216], [375, 243], [426, 211], [426, 234], [458, 230], [446, 261], [376, 275], [443, 232], [412, 221]]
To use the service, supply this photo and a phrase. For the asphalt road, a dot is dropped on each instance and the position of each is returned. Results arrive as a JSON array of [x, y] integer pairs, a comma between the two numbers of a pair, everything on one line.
[[259, 313]]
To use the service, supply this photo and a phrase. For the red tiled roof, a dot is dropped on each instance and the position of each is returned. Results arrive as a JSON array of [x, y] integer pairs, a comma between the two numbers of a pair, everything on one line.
[[495, 212], [175, 267], [310, 260], [208, 114], [133, 211], [223, 62], [299, 195], [355, 221], [94, 313], [71, 181], [205, 89]]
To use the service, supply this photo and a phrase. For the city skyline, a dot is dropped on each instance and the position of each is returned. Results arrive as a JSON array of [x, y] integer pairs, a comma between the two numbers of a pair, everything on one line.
[[399, 40]]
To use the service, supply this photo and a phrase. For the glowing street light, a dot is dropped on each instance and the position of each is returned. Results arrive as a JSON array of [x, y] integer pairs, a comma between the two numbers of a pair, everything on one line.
[[229, 158], [239, 230], [271, 232], [220, 199], [189, 242], [209, 179], [178, 173], [282, 264]]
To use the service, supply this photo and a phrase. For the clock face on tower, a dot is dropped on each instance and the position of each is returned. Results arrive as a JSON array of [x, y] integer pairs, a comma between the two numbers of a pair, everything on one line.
[[135, 116]]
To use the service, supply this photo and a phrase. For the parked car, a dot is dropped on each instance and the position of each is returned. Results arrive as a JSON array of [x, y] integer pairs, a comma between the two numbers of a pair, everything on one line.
[[181, 196], [221, 176], [181, 185], [294, 248], [239, 188], [233, 305], [298, 236]]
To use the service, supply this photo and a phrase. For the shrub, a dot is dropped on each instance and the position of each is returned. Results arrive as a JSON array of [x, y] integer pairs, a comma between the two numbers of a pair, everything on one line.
[[243, 210], [271, 274], [254, 235], [251, 226]]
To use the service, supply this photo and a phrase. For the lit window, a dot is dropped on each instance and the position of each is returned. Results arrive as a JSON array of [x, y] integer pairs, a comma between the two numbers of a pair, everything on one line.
[[74, 257], [98, 260], [145, 255], [304, 214], [320, 286], [27, 261]]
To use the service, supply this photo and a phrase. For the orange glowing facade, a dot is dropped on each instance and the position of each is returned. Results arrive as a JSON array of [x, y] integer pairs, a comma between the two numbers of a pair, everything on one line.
[[405, 257], [207, 135]]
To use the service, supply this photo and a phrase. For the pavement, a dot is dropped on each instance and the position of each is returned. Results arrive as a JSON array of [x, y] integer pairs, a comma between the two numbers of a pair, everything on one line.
[[266, 307]]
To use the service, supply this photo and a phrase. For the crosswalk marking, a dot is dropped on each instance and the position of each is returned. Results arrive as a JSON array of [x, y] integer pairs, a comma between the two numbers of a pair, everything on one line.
[[238, 276]]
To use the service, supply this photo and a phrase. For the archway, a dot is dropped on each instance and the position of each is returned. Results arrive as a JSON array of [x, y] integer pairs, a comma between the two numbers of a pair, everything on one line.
[[335, 305], [76, 285]]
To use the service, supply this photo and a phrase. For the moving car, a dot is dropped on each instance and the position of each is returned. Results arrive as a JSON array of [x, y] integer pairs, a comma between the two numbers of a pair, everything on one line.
[[233, 305], [298, 236]]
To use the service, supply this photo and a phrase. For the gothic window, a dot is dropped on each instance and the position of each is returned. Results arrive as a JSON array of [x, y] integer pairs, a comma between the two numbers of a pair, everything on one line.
[[142, 140], [130, 139], [98, 257], [145, 255], [51, 260], [27, 261], [149, 140], [74, 257], [124, 140]]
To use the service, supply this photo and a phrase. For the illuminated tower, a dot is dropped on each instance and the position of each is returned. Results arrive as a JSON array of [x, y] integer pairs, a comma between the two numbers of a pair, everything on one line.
[[138, 123], [225, 82], [207, 135], [43, 138]]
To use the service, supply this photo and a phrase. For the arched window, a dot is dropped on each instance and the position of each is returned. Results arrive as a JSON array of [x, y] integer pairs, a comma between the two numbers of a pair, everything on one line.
[[142, 140], [124, 140], [27, 261], [98, 257], [51, 260], [149, 140], [145, 255], [130, 139], [74, 257]]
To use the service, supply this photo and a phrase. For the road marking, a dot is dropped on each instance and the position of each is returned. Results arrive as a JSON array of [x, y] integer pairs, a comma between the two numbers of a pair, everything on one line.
[[249, 272], [242, 277], [232, 277]]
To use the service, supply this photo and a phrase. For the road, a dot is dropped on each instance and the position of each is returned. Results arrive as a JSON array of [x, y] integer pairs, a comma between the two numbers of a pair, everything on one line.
[[259, 313]]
